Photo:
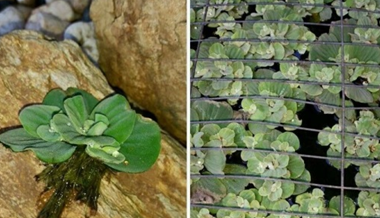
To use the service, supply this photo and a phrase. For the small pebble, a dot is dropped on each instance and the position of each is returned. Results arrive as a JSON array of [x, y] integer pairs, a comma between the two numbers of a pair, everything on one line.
[[47, 24], [11, 19], [83, 33], [53, 18], [79, 32], [91, 49], [59, 8], [25, 11]]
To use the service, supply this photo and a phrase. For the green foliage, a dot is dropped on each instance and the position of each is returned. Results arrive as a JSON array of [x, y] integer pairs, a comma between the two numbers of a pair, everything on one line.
[[354, 146], [275, 165], [273, 110], [110, 131], [368, 176], [366, 35], [202, 213], [368, 6], [250, 199], [348, 206], [312, 203], [214, 136], [259, 36], [222, 69], [315, 203], [368, 204], [352, 54]]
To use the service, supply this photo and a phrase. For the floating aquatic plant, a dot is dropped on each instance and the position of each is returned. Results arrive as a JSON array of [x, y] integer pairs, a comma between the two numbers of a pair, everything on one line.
[[275, 165], [80, 138], [354, 146], [368, 204]]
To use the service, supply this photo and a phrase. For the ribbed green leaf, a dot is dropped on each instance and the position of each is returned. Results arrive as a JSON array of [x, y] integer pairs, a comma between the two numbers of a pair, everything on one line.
[[77, 112], [106, 157], [142, 147], [55, 98], [57, 152], [49, 152], [120, 116], [33, 116], [89, 99]]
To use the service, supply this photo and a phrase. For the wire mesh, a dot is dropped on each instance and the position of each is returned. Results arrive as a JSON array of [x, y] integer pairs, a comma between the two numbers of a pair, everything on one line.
[[351, 99]]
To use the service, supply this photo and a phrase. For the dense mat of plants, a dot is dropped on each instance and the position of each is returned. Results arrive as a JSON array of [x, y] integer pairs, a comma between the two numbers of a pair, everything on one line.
[[274, 82]]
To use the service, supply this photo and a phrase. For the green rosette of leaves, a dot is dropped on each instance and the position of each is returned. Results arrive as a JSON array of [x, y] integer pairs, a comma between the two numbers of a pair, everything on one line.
[[110, 131], [81, 137]]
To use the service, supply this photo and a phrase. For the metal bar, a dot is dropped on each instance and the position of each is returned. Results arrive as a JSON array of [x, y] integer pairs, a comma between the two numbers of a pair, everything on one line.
[[284, 61], [282, 125], [283, 81], [267, 211], [287, 4], [281, 98], [283, 22], [285, 153], [192, 72], [343, 79], [231, 176]]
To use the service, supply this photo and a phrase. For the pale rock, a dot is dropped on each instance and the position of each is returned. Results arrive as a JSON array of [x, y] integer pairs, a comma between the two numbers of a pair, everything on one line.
[[27, 2], [91, 49], [31, 67], [25, 11], [47, 24], [11, 19], [60, 8], [83, 33], [78, 5], [142, 50]]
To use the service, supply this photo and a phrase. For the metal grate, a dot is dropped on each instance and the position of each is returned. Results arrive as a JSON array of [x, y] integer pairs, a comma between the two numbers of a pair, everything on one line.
[[347, 23]]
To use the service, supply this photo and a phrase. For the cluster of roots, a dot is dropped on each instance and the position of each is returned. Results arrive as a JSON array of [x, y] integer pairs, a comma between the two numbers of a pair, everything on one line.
[[78, 179]]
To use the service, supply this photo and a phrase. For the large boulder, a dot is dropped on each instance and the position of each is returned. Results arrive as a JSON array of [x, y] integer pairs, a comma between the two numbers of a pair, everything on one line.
[[30, 66], [142, 50]]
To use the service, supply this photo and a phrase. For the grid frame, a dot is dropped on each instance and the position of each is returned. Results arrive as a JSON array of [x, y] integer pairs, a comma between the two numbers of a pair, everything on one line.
[[343, 85]]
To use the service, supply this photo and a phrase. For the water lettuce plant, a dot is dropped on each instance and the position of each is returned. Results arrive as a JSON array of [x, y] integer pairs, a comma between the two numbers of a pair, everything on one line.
[[214, 136], [368, 176], [314, 202], [367, 7], [80, 138], [221, 69], [354, 53], [275, 165], [354, 146], [368, 204], [273, 110]]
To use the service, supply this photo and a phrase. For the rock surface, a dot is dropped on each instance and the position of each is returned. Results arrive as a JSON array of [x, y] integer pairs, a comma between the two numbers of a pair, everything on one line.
[[47, 24], [26, 75], [24, 10], [83, 34], [79, 5], [11, 19], [60, 8], [142, 50]]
